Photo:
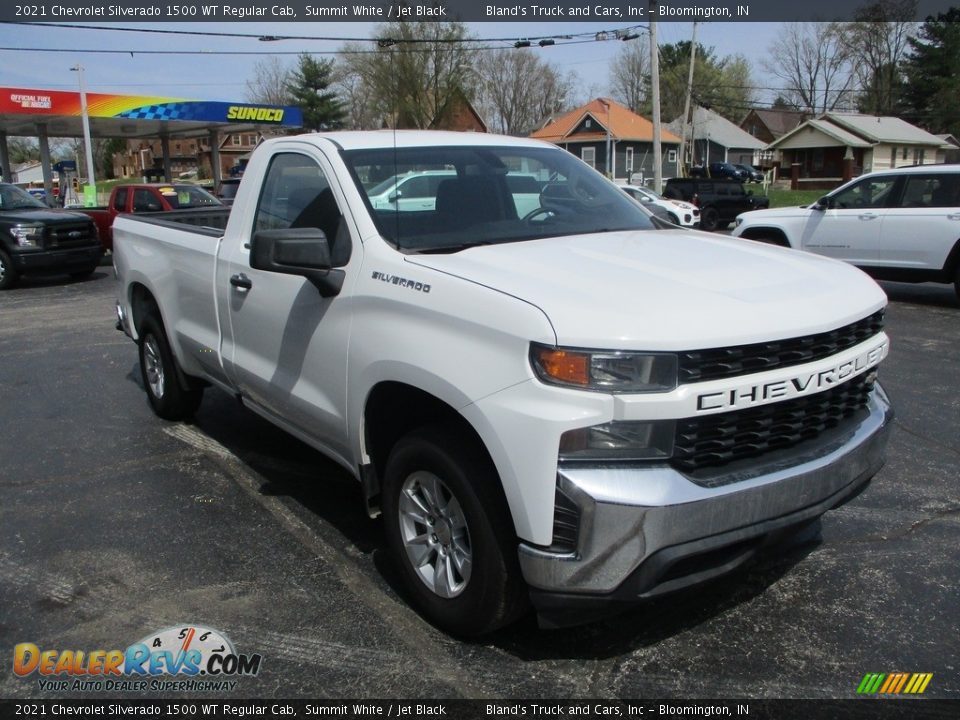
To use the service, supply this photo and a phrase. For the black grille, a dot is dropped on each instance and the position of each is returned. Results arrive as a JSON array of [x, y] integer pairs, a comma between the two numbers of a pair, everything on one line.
[[66, 236], [725, 437], [700, 365], [566, 523]]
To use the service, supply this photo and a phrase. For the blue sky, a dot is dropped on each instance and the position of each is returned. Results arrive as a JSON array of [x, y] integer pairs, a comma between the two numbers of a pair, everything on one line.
[[222, 77]]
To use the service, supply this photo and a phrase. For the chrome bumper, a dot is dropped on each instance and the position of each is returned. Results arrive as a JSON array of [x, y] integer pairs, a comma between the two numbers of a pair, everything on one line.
[[637, 525]]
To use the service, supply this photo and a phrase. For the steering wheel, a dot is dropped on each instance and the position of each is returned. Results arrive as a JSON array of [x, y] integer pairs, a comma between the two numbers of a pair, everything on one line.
[[546, 212]]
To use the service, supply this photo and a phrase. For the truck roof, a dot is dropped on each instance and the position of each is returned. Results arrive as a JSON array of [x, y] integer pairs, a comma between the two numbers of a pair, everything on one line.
[[364, 139]]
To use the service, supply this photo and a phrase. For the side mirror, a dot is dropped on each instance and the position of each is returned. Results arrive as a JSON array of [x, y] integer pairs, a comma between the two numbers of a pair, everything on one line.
[[824, 203], [297, 251], [392, 197], [749, 192]]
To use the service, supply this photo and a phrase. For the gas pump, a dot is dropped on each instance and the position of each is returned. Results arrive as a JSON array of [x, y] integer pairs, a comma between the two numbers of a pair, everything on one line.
[[69, 183]]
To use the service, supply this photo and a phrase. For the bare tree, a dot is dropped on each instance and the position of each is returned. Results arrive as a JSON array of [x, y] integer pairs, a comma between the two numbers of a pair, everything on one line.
[[517, 90], [364, 112], [878, 39], [268, 85], [814, 60], [419, 75], [630, 74]]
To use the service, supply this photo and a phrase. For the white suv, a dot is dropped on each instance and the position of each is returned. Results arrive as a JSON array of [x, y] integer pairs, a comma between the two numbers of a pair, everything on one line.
[[901, 224]]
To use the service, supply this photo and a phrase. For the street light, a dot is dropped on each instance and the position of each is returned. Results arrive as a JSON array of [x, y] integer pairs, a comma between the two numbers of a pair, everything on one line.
[[91, 180]]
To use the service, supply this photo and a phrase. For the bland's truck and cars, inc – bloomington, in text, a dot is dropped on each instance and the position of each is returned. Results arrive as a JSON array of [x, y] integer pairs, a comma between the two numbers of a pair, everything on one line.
[[549, 398]]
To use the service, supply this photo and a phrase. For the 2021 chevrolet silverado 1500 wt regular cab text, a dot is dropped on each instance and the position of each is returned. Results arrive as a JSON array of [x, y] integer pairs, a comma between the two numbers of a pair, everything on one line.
[[563, 405]]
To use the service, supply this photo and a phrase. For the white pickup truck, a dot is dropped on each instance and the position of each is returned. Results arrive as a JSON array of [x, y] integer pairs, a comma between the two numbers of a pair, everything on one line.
[[566, 405]]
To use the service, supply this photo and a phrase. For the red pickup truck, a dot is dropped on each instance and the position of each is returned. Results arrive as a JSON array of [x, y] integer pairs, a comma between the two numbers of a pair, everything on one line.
[[147, 197]]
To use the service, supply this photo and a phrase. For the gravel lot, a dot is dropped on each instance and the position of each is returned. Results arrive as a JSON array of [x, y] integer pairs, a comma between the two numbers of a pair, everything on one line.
[[115, 524]]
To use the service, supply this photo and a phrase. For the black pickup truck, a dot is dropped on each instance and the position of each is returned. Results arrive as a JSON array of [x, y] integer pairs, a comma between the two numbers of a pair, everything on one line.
[[719, 200], [35, 239]]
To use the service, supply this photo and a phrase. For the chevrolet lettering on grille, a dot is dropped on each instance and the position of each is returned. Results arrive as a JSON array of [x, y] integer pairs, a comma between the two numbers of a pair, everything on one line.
[[804, 383]]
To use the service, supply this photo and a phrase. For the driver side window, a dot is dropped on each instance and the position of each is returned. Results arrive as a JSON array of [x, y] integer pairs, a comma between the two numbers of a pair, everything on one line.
[[868, 193]]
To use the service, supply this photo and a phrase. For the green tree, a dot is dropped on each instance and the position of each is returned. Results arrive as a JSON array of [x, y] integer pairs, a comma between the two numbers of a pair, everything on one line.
[[110, 148], [931, 95], [309, 90], [723, 84]]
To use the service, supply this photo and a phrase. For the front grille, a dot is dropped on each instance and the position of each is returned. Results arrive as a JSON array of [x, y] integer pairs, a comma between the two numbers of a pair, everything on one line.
[[722, 438], [68, 236], [700, 365]]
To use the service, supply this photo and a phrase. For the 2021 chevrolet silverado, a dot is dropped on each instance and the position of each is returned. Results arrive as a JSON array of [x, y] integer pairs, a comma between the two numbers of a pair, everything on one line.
[[564, 405]]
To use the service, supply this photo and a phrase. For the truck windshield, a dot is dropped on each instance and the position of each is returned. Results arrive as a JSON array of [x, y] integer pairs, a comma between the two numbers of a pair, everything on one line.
[[443, 199], [13, 198]]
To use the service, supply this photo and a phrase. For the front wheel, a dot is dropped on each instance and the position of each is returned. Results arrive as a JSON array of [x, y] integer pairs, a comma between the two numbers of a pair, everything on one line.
[[167, 397], [8, 275], [450, 534], [956, 281], [709, 219]]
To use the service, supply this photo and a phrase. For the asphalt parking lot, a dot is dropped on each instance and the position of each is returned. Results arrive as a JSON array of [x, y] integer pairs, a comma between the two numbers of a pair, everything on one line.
[[115, 524]]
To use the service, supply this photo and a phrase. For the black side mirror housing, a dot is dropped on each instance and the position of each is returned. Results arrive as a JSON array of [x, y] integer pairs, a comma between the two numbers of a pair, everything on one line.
[[824, 203], [297, 251], [392, 197]]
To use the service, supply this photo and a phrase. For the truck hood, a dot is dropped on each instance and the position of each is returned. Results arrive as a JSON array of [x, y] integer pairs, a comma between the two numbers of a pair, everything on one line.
[[668, 290], [50, 216], [800, 211]]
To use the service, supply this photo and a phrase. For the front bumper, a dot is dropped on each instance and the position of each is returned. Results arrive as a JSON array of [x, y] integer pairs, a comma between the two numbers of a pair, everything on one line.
[[647, 531], [58, 261]]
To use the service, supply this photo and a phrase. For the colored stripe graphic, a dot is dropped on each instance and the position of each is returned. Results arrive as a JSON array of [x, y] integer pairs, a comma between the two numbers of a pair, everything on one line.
[[894, 683]]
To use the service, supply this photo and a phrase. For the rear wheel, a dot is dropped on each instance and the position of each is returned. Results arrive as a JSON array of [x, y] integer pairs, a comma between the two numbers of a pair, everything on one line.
[[158, 368], [449, 531], [956, 281], [709, 219], [8, 275]]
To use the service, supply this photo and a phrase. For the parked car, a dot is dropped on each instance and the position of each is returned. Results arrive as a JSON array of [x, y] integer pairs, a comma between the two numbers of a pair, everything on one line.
[[720, 170], [720, 201], [227, 190], [753, 175], [677, 212], [901, 224], [146, 197], [570, 408], [36, 239]]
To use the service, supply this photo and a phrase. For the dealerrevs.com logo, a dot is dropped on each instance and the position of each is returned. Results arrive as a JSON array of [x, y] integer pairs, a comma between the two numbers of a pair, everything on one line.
[[181, 658]]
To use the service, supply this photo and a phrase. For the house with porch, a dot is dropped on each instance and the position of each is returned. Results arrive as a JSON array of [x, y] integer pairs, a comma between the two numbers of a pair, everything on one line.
[[612, 139], [825, 151], [713, 138], [768, 125]]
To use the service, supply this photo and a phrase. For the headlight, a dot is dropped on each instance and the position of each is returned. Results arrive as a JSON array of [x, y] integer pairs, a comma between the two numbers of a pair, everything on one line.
[[27, 235], [605, 371], [621, 440]]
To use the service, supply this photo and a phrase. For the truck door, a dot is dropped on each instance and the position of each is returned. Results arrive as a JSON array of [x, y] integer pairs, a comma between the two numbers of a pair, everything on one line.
[[284, 346]]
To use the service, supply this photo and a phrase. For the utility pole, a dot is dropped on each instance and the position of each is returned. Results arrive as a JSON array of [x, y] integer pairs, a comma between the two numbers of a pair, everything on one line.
[[686, 103], [88, 146], [655, 96]]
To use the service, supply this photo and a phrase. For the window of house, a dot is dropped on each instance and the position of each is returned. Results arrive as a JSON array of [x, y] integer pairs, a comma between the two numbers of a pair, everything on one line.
[[588, 123], [589, 156], [235, 139], [671, 156], [905, 149], [629, 155], [893, 157], [818, 159]]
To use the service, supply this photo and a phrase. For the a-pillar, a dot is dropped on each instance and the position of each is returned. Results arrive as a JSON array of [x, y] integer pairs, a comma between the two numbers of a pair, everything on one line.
[[44, 143], [215, 159], [5, 159], [165, 149]]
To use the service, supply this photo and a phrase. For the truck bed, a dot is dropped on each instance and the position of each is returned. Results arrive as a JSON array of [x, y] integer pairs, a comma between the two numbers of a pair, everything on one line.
[[203, 221]]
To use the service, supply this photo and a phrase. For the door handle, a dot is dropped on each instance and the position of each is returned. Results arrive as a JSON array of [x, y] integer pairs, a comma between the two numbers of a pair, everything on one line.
[[241, 281], [867, 216]]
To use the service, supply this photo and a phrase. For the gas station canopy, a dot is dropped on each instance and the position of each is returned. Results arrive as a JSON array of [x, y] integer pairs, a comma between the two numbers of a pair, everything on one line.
[[24, 111]]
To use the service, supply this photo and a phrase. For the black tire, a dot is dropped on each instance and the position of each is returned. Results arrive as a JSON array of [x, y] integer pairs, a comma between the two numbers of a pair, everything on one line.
[[956, 281], [158, 369], [8, 274], [493, 594], [709, 219]]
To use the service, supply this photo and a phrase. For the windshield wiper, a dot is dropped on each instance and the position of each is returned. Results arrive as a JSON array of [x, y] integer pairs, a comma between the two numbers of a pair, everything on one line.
[[445, 249]]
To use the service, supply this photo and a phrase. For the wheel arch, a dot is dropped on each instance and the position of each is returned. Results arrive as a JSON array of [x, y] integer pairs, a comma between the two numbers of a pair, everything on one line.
[[392, 410], [770, 235]]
